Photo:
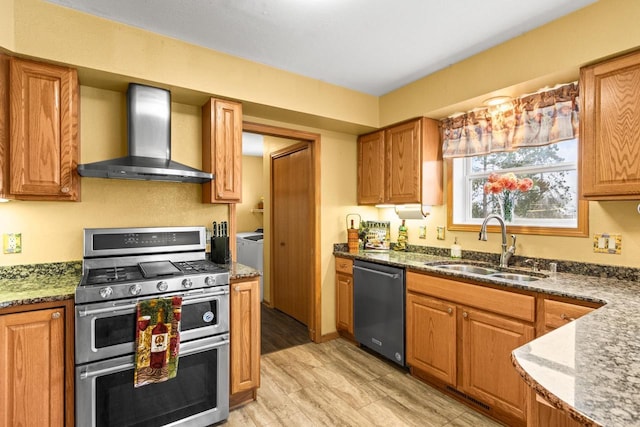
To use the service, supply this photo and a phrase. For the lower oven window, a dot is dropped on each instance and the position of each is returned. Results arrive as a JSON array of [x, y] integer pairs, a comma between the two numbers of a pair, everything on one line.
[[191, 392]]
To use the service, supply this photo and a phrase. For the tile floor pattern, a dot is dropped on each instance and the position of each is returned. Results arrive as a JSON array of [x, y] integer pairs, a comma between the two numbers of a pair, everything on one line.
[[338, 384]]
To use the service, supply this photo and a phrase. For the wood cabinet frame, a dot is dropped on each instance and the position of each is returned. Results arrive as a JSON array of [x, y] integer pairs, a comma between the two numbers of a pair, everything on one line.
[[401, 164], [69, 350]]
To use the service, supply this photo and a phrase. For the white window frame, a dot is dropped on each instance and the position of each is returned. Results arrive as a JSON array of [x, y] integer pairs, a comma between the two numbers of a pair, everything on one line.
[[461, 178]]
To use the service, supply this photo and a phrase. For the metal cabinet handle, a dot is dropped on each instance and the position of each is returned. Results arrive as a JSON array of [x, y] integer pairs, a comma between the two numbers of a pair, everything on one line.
[[65, 190], [343, 265], [465, 314], [55, 315], [237, 288], [449, 310], [567, 318], [348, 280]]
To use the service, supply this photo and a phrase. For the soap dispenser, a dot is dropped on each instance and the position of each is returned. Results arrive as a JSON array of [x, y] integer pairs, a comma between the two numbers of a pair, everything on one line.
[[456, 249]]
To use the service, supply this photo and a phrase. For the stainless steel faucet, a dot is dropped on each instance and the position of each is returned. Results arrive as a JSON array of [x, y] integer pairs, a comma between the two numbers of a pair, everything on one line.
[[506, 253]]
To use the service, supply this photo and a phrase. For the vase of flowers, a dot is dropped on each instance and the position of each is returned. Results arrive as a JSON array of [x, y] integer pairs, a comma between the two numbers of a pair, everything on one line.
[[505, 187]]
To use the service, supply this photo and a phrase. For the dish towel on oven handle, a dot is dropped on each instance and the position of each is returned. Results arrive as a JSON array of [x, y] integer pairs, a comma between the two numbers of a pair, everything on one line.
[[157, 340]]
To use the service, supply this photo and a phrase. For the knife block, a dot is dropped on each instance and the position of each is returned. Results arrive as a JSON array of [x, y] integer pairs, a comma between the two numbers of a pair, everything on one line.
[[220, 250]]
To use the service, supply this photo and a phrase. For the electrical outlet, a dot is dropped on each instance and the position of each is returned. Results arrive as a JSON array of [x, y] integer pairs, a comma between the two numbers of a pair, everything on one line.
[[12, 243], [606, 243]]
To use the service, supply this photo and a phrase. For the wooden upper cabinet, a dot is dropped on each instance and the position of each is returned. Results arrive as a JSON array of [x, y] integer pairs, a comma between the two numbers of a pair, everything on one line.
[[4, 126], [43, 123], [401, 164], [610, 129], [222, 151], [370, 168]]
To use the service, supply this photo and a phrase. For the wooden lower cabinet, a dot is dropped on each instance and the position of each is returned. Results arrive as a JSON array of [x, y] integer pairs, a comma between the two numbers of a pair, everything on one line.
[[344, 297], [559, 313], [36, 365], [456, 341], [244, 328], [431, 336], [543, 414], [487, 372]]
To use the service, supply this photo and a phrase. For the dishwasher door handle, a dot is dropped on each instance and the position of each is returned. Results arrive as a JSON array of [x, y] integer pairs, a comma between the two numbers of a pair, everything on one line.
[[391, 275]]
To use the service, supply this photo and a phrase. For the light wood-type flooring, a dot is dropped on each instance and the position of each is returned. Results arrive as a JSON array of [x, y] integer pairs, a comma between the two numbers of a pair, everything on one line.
[[338, 384]]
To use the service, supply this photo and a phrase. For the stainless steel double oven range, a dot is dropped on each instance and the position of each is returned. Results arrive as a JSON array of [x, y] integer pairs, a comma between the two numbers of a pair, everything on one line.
[[122, 266]]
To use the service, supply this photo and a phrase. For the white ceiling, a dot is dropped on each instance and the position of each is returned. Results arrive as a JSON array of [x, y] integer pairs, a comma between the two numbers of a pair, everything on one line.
[[372, 46]]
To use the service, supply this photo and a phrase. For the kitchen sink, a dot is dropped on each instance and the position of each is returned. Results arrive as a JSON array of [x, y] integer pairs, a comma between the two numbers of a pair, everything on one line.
[[485, 271], [516, 277], [466, 268]]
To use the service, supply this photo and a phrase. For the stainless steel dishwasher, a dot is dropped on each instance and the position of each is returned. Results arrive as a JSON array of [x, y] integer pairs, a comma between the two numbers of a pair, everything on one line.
[[379, 308]]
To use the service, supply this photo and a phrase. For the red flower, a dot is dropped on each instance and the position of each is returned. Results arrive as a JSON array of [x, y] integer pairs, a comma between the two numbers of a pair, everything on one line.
[[506, 182]]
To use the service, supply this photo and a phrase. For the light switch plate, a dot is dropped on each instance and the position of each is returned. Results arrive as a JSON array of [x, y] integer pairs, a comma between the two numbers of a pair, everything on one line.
[[422, 232], [606, 243], [12, 243]]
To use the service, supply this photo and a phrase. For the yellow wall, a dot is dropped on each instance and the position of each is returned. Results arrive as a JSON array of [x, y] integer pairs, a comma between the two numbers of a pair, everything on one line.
[[252, 191]]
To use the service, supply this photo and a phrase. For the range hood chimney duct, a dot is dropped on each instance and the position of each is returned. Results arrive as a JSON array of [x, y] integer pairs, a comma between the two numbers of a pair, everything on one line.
[[149, 141]]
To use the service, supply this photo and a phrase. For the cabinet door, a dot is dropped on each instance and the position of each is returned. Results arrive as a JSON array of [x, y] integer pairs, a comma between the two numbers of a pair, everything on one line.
[[32, 368], [431, 337], [488, 373], [222, 151], [610, 129], [44, 131], [4, 126], [344, 302], [402, 163], [542, 414], [371, 168], [245, 335], [557, 313]]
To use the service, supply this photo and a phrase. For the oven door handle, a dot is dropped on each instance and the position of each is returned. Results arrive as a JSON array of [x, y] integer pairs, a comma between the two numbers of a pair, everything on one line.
[[84, 312], [202, 299], [86, 373], [201, 348]]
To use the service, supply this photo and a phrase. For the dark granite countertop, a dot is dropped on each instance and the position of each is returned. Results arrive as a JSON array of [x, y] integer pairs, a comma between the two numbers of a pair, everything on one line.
[[590, 367], [33, 283]]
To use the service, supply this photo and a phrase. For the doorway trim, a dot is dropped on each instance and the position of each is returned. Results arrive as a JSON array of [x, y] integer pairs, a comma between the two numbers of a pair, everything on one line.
[[313, 139]]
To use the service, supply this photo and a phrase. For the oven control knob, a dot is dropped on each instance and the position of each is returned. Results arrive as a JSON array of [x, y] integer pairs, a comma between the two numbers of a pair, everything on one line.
[[106, 292], [210, 281], [135, 289], [187, 283], [162, 286]]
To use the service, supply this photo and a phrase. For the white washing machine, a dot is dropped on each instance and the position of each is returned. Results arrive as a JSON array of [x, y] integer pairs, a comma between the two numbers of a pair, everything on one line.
[[250, 252]]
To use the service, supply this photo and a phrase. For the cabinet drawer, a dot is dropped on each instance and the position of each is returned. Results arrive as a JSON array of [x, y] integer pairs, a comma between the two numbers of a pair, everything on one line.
[[502, 302], [344, 265], [557, 313]]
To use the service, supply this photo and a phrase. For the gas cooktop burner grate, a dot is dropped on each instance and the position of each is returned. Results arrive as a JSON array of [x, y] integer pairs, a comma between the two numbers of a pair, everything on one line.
[[199, 266], [113, 275]]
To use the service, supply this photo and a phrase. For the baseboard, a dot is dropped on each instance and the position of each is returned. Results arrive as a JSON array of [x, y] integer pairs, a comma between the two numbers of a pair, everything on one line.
[[329, 337]]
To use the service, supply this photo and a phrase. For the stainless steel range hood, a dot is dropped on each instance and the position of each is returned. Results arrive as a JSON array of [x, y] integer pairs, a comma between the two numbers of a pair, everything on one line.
[[149, 132]]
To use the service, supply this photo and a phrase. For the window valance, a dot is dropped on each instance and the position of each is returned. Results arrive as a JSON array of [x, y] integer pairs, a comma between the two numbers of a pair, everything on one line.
[[541, 118]]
